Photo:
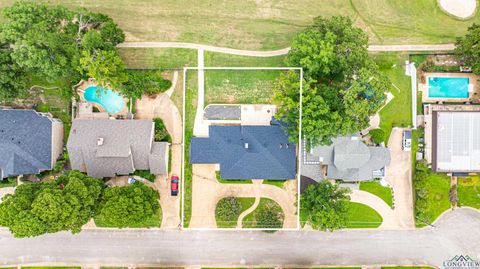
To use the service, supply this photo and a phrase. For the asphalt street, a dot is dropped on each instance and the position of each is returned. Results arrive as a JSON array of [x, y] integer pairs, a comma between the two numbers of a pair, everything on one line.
[[457, 232]]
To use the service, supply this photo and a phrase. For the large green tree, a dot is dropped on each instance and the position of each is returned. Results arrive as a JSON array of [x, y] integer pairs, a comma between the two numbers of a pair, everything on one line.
[[468, 49], [64, 204], [128, 206], [13, 80], [342, 86], [324, 206], [105, 66], [49, 40]]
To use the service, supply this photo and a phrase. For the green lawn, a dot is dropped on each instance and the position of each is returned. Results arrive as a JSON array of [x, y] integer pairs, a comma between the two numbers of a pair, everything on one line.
[[437, 201], [232, 181], [245, 203], [222, 59], [250, 220], [272, 25], [469, 191], [362, 216], [190, 109], [152, 222], [278, 183], [407, 267], [239, 86], [397, 113], [8, 182], [158, 57], [51, 267], [375, 188]]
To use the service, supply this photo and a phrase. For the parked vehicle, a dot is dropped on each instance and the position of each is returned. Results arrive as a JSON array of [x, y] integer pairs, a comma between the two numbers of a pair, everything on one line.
[[174, 181], [407, 140]]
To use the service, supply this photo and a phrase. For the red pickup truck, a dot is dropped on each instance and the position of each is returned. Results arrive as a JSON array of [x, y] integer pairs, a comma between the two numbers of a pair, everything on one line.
[[174, 185]]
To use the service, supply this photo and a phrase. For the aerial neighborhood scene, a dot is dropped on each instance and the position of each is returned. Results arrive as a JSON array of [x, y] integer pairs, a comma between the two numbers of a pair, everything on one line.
[[286, 134]]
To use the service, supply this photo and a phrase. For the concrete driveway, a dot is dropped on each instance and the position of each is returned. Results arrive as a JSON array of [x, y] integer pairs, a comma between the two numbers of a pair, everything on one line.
[[163, 107], [399, 175], [207, 191]]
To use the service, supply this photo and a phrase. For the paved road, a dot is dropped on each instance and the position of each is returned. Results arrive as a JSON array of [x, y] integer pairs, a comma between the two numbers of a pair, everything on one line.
[[438, 47], [456, 233]]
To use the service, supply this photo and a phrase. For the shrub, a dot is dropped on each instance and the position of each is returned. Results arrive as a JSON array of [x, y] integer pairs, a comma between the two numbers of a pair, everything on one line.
[[377, 135], [145, 174], [228, 210], [269, 217], [129, 206], [161, 133]]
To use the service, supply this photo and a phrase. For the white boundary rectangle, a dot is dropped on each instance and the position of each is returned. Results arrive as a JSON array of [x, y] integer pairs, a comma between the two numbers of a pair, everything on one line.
[[185, 69]]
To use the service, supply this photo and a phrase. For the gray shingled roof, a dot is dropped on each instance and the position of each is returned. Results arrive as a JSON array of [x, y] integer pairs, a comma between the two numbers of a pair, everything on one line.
[[348, 159], [25, 142], [246, 152], [127, 146]]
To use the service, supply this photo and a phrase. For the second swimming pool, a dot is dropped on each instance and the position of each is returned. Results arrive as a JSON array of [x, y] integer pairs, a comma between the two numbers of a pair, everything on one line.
[[448, 87]]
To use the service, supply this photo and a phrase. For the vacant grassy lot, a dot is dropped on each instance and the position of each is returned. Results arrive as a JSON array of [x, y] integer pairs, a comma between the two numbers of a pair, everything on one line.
[[437, 200], [239, 86], [469, 191], [362, 216], [397, 113], [158, 58], [375, 188], [272, 24]]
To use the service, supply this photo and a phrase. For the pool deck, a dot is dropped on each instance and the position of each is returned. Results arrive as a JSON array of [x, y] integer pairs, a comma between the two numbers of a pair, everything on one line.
[[82, 85], [474, 96]]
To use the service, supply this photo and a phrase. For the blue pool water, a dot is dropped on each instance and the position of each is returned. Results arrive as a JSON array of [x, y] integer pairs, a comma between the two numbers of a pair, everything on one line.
[[110, 100], [441, 87]]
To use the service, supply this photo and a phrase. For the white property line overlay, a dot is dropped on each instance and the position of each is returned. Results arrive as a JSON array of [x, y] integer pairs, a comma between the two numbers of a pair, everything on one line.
[[185, 69]]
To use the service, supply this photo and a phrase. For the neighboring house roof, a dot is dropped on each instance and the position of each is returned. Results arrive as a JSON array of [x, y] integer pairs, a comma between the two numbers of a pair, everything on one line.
[[25, 142], [246, 152], [456, 146], [348, 159], [106, 148]]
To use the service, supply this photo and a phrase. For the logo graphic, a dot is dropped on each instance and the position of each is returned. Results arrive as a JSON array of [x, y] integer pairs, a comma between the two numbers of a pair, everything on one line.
[[461, 262]]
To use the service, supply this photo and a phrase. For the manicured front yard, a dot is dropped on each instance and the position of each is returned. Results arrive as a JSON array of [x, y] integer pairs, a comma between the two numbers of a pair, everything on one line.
[[377, 189], [469, 191], [268, 214], [397, 113], [362, 216], [232, 181], [231, 221]]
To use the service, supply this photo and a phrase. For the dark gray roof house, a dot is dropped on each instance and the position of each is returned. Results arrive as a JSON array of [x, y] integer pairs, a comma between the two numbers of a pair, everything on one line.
[[246, 152], [107, 148], [30, 142], [347, 159]]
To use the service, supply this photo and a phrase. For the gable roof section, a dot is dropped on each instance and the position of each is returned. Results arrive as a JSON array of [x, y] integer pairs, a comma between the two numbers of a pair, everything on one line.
[[126, 146], [349, 159], [246, 152], [25, 142]]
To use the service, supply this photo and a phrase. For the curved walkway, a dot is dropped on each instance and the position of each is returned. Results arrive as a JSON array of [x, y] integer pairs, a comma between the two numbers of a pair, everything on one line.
[[271, 53], [250, 209]]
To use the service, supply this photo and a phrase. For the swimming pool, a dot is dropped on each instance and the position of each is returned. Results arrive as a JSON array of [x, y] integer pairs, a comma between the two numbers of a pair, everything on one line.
[[443, 87], [110, 100]]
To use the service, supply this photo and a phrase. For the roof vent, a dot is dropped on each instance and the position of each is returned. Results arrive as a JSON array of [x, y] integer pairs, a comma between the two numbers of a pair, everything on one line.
[[281, 146], [286, 145], [100, 141], [246, 145]]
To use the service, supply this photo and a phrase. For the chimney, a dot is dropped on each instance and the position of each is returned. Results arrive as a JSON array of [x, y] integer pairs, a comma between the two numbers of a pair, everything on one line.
[[100, 141]]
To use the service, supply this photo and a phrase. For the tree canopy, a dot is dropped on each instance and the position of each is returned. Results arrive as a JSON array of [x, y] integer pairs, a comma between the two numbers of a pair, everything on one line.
[[128, 206], [467, 48], [64, 204], [49, 41], [325, 206], [13, 80], [342, 86]]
